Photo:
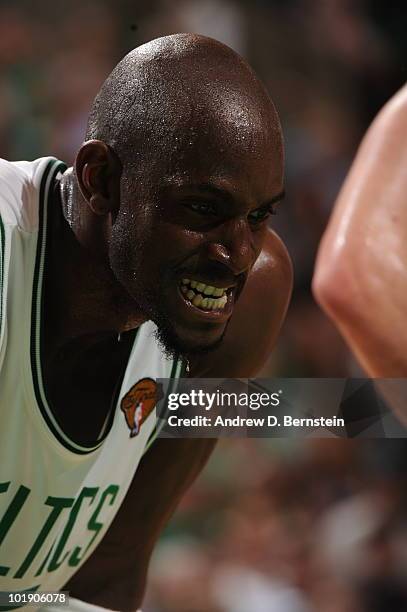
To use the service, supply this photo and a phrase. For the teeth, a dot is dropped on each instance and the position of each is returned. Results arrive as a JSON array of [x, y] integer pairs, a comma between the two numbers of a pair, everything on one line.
[[202, 288], [216, 302], [209, 290], [204, 303]]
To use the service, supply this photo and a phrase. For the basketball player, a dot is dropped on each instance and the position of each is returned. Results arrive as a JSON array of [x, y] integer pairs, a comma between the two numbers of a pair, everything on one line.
[[361, 272], [152, 252]]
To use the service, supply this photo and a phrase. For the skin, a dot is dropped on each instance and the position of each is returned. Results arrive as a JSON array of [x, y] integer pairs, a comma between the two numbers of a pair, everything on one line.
[[361, 271], [126, 229]]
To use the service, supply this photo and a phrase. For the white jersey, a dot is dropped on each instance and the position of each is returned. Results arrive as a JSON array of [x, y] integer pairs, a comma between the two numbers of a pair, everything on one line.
[[57, 497]]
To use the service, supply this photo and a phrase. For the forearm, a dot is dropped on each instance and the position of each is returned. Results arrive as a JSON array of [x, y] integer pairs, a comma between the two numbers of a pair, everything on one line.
[[106, 580]]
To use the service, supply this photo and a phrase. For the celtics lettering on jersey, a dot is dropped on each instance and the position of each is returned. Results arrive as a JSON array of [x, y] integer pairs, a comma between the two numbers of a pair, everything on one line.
[[41, 554]]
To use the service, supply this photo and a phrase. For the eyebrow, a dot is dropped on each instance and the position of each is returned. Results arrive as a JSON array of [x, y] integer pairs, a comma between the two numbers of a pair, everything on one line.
[[277, 198], [218, 192]]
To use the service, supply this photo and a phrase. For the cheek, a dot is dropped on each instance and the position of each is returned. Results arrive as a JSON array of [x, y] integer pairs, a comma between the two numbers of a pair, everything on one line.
[[173, 244], [127, 250]]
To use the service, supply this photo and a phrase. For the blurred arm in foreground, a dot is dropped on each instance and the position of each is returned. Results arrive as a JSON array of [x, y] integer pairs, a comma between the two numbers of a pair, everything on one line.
[[361, 271]]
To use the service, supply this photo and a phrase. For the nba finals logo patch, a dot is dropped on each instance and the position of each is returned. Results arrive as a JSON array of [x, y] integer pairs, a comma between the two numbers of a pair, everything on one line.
[[138, 403]]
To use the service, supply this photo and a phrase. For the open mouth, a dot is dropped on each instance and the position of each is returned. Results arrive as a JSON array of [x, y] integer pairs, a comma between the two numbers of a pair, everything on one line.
[[205, 297]]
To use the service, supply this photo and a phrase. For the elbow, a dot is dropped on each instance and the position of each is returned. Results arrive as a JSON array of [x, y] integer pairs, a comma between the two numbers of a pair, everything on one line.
[[337, 290], [324, 290]]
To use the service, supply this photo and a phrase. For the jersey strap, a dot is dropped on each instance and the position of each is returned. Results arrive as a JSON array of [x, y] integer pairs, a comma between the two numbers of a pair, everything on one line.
[[177, 371]]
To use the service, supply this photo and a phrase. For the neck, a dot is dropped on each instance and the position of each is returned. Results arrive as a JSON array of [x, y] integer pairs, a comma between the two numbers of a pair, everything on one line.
[[83, 297]]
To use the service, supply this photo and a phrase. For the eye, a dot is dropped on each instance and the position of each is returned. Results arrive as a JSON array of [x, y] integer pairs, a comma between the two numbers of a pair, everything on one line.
[[260, 214], [202, 208]]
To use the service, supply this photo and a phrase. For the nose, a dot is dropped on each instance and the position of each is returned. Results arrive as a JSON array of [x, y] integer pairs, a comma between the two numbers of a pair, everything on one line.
[[233, 246]]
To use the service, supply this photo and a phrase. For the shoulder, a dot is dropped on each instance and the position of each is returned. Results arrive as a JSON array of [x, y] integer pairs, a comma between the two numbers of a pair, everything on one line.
[[20, 184], [13, 174], [12, 182], [257, 318]]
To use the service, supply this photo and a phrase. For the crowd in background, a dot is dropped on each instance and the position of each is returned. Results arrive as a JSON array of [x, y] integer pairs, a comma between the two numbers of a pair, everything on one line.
[[307, 526], [304, 526]]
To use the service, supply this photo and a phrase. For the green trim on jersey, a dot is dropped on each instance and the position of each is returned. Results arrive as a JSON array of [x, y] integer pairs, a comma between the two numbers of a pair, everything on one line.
[[53, 167]]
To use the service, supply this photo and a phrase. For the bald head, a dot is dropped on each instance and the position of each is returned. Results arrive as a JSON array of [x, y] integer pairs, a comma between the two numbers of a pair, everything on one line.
[[178, 92], [199, 147]]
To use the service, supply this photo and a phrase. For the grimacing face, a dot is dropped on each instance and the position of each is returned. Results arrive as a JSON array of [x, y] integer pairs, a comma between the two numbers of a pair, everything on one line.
[[192, 224]]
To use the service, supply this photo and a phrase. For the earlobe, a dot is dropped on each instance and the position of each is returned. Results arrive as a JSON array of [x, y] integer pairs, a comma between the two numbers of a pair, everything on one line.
[[99, 205]]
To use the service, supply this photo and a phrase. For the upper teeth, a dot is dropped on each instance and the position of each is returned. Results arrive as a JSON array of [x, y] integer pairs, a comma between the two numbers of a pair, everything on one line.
[[196, 292], [205, 289]]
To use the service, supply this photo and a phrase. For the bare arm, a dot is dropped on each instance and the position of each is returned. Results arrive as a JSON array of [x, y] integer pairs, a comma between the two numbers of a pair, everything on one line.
[[361, 272], [114, 576]]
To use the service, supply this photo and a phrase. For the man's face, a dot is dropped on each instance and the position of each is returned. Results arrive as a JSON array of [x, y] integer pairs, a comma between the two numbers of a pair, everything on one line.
[[192, 224]]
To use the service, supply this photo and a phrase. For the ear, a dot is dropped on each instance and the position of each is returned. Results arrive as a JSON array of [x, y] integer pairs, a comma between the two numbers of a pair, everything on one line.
[[98, 171]]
